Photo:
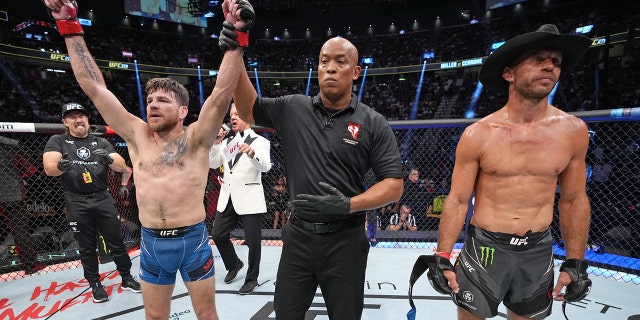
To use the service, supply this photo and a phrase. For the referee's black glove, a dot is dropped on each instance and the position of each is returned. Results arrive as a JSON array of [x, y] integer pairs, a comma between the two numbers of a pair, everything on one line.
[[334, 202]]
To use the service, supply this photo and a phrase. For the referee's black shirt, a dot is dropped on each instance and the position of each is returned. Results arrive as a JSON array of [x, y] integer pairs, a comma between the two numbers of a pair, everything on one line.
[[337, 149]]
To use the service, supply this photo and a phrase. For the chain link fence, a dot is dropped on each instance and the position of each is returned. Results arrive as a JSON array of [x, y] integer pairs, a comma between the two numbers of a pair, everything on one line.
[[34, 232]]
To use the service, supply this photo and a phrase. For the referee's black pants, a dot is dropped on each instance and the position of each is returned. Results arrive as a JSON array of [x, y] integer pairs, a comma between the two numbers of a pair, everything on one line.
[[335, 261], [90, 216], [223, 224]]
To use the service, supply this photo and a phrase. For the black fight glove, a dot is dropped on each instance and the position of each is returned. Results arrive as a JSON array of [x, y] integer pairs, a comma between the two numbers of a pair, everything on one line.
[[436, 274], [230, 37], [103, 155], [332, 203], [65, 164], [123, 192], [247, 14], [580, 285]]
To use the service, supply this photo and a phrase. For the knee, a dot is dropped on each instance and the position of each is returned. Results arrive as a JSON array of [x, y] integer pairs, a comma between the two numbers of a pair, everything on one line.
[[206, 313]]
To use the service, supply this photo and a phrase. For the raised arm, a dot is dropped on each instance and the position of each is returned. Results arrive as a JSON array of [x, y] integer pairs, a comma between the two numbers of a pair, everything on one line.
[[215, 107], [244, 97], [87, 72], [239, 17], [245, 94]]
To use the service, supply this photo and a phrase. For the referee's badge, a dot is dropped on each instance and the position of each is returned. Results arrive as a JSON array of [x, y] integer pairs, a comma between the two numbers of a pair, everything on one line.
[[354, 129]]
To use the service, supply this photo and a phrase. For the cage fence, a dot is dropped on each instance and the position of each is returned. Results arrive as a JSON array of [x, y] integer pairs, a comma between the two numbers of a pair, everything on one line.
[[34, 232]]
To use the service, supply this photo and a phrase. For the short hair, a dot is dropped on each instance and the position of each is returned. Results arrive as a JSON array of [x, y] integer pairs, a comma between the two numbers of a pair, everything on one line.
[[171, 85]]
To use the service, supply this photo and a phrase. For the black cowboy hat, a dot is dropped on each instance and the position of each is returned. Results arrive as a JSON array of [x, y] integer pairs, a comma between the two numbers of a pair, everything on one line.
[[572, 46]]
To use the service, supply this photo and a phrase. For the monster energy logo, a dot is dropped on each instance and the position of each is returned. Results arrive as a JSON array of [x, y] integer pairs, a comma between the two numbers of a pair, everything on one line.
[[487, 255]]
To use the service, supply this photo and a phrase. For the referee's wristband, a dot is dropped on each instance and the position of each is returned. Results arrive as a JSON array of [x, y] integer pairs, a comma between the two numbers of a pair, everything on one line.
[[445, 255]]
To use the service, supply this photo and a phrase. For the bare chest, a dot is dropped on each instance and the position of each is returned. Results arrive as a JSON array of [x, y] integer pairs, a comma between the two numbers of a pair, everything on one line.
[[525, 151]]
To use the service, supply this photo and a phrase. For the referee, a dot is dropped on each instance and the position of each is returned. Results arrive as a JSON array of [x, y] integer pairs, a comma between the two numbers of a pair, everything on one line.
[[82, 161]]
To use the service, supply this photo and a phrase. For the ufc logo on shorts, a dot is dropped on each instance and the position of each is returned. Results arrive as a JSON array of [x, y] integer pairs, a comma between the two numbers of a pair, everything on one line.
[[519, 241], [168, 233]]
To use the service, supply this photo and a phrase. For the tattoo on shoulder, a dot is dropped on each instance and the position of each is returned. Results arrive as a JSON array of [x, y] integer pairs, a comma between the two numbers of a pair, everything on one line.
[[174, 151]]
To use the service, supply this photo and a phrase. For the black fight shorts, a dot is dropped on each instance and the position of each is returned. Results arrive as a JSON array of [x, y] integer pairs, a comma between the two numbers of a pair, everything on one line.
[[497, 267]]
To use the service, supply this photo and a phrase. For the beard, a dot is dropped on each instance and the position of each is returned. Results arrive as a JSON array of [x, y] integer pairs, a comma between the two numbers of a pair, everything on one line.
[[530, 92], [166, 124], [78, 131]]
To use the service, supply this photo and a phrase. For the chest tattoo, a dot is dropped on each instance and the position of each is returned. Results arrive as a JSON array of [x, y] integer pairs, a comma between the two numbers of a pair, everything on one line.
[[173, 152]]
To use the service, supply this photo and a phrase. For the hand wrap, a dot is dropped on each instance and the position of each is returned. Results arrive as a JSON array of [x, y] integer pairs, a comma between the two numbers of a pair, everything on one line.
[[69, 26], [334, 202], [436, 274], [580, 285]]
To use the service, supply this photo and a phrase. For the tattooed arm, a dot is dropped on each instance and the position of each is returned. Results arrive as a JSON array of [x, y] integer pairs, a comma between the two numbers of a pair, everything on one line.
[[92, 83]]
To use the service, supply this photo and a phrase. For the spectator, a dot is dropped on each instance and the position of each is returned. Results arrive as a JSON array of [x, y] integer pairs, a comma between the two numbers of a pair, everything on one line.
[[280, 202], [403, 221]]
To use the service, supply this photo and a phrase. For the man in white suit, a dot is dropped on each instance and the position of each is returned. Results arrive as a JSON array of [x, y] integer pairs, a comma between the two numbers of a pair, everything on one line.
[[245, 157]]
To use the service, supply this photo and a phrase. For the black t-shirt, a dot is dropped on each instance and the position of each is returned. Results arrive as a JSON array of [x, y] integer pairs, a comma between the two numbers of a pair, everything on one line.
[[338, 150], [89, 174]]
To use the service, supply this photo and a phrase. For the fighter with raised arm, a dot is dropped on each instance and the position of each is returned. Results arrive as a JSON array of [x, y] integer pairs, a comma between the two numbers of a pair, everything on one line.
[[170, 163]]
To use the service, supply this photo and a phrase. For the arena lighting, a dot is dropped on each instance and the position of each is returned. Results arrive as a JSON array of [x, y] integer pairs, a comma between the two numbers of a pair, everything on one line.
[[584, 30], [85, 22], [141, 104], [414, 113], [470, 113], [364, 76], [306, 93], [367, 61], [201, 90]]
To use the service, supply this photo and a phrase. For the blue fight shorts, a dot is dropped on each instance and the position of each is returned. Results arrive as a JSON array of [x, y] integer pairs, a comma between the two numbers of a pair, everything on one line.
[[165, 251]]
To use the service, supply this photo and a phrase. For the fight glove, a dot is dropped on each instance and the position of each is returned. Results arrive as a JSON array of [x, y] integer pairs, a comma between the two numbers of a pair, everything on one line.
[[65, 164], [67, 19], [230, 36], [334, 202], [436, 276], [103, 155], [580, 285]]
